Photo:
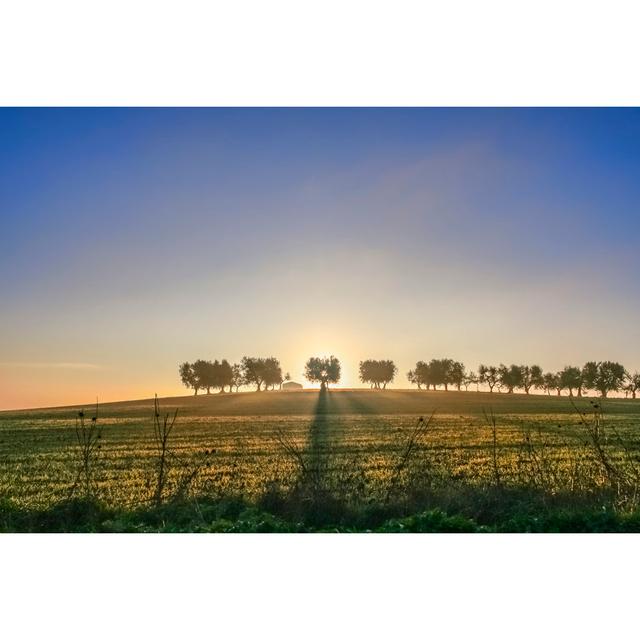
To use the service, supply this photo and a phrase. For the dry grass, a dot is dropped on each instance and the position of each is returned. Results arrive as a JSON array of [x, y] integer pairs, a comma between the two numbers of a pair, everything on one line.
[[353, 441]]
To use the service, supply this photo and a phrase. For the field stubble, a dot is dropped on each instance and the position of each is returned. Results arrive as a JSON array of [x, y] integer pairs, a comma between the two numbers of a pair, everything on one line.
[[342, 446]]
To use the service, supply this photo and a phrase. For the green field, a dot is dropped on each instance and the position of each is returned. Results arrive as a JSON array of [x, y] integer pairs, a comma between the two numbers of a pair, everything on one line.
[[341, 460]]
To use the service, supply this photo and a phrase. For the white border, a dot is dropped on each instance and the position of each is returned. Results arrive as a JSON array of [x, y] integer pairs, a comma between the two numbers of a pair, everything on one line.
[[318, 586], [329, 52], [241, 52]]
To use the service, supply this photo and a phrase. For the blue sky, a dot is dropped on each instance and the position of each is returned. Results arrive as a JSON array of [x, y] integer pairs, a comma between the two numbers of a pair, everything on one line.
[[133, 239]]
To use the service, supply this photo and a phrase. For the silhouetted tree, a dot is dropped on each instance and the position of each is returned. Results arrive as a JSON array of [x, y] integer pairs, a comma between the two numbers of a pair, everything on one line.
[[202, 372], [633, 384], [440, 371], [550, 382], [488, 375], [272, 373], [224, 376], [323, 370], [471, 378], [422, 375], [387, 372], [236, 377], [437, 372], [261, 371], [413, 378], [456, 374], [530, 377], [378, 373], [511, 377], [610, 376], [188, 377], [559, 382], [253, 371], [571, 379], [206, 371], [589, 375]]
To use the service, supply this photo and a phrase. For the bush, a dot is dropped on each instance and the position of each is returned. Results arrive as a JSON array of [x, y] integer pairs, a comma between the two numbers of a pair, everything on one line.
[[434, 521]]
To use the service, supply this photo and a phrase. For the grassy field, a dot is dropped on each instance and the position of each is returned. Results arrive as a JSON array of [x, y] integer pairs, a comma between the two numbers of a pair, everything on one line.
[[345, 460]]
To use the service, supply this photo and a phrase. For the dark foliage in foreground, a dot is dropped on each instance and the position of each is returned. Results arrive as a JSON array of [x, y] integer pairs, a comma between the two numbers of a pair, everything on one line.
[[475, 512]]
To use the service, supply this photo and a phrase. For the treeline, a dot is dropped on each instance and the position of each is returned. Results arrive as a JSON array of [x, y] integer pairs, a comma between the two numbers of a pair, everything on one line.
[[603, 377], [206, 375], [266, 374]]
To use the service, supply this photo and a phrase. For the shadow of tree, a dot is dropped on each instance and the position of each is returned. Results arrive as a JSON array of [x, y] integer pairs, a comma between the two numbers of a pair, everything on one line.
[[318, 445]]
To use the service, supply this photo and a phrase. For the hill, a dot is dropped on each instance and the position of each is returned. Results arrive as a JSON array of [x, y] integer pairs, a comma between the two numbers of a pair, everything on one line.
[[343, 401], [350, 458]]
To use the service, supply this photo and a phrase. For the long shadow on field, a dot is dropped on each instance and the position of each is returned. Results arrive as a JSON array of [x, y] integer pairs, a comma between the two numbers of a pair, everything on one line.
[[357, 405], [317, 448]]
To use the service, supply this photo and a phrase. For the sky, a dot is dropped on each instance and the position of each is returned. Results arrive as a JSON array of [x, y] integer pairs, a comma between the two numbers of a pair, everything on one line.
[[132, 240]]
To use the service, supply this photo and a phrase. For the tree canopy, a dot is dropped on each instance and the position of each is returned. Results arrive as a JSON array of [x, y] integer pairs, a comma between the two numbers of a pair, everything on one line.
[[633, 384], [605, 377], [323, 370], [571, 378], [489, 375], [188, 377], [378, 373], [437, 373], [261, 371], [204, 374]]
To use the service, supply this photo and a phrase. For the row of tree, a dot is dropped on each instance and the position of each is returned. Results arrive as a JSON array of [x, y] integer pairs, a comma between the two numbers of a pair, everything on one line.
[[204, 374], [264, 373], [602, 377]]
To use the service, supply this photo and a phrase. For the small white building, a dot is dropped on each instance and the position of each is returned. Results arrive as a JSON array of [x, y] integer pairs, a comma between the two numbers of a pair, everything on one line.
[[290, 385]]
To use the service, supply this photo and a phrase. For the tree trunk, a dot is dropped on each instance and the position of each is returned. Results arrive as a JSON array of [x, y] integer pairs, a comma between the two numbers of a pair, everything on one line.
[[579, 392], [558, 390], [633, 394]]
